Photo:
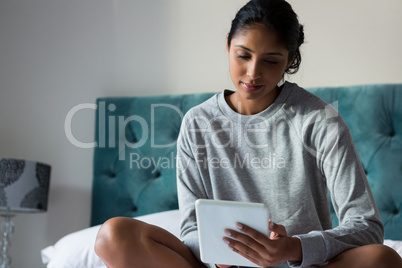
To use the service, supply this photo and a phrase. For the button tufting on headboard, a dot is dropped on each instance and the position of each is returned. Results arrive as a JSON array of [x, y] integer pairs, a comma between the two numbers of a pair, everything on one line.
[[157, 174], [138, 149]]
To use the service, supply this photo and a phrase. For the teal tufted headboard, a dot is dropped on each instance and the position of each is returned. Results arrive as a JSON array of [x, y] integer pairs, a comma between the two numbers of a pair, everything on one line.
[[135, 157]]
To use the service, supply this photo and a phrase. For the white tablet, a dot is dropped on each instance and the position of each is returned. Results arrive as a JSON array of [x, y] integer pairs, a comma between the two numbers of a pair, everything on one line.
[[214, 216]]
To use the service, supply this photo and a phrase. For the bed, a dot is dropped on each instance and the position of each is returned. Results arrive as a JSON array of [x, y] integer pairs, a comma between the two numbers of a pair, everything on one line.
[[135, 167]]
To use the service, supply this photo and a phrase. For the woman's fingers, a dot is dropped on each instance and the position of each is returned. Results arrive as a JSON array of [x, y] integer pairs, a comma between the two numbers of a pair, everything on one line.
[[257, 247], [254, 234], [239, 247], [277, 231], [247, 242]]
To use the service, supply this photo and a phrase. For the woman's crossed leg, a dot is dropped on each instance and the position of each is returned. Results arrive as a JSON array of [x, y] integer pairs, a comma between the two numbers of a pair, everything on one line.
[[125, 242]]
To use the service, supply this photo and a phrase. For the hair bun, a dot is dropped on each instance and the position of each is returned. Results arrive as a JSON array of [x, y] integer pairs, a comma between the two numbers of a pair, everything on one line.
[[301, 35]]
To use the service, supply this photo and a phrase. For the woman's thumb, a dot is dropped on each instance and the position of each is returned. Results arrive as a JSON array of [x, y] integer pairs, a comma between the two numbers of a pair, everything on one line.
[[277, 230]]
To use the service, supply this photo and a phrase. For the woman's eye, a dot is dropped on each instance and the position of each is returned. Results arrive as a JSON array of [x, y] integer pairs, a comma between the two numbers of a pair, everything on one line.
[[243, 56], [271, 62]]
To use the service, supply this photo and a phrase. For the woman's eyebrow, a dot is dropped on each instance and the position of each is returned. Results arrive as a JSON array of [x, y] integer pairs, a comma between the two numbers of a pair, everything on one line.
[[252, 51]]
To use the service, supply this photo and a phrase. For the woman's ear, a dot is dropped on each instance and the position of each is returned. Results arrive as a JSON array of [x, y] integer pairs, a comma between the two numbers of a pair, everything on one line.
[[290, 62]]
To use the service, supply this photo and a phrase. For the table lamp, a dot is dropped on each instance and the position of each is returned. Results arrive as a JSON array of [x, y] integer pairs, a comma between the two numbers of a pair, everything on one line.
[[24, 187]]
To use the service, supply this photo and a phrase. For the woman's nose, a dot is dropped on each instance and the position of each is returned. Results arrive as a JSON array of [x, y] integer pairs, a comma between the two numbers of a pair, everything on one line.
[[253, 71]]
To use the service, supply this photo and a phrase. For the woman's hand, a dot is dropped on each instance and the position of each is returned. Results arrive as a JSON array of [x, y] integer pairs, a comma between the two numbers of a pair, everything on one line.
[[262, 250]]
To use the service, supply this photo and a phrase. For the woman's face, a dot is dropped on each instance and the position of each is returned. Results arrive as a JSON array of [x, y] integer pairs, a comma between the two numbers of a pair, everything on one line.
[[257, 61]]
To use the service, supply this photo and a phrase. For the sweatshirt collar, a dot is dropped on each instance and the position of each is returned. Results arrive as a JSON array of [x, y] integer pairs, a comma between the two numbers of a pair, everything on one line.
[[256, 118]]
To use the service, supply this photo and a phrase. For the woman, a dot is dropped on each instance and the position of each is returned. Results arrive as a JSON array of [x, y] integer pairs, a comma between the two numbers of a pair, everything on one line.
[[267, 143]]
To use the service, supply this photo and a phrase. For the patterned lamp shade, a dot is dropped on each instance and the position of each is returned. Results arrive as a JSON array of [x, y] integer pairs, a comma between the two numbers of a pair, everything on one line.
[[24, 185]]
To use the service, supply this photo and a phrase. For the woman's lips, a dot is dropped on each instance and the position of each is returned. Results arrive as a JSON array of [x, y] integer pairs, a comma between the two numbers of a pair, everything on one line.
[[250, 87]]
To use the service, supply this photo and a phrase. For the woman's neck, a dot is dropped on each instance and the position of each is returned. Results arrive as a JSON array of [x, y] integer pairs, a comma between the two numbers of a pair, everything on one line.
[[248, 106]]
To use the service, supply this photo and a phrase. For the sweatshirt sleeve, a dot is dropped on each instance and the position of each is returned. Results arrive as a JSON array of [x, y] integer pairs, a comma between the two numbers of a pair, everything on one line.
[[190, 188], [359, 221]]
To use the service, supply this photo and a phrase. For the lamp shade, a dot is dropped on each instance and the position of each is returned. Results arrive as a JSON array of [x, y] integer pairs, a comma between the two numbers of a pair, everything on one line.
[[24, 185]]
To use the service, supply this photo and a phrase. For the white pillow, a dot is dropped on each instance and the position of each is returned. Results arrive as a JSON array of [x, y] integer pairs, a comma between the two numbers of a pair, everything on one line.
[[396, 245], [76, 250]]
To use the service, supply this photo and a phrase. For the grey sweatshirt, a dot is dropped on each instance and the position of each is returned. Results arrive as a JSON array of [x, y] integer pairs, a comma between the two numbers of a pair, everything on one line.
[[287, 157]]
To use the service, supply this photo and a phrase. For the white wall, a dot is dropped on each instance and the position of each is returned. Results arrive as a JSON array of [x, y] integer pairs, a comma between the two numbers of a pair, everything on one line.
[[55, 54]]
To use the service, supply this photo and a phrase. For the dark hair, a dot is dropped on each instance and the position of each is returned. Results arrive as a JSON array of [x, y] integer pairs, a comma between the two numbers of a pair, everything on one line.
[[277, 15]]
